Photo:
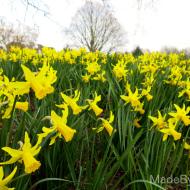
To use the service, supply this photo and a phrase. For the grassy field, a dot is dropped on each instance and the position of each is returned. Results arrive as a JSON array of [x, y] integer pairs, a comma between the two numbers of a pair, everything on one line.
[[93, 121]]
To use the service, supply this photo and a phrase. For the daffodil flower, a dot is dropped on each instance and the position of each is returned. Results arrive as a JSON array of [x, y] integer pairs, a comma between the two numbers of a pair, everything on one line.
[[22, 106], [100, 77], [14, 87], [170, 130], [25, 154], [92, 68], [186, 88], [86, 78], [140, 109], [151, 67], [72, 102], [136, 123], [120, 70], [8, 91], [186, 146], [181, 114], [8, 104], [42, 81], [6, 180], [133, 99], [59, 127], [106, 124], [159, 121], [93, 105], [146, 92]]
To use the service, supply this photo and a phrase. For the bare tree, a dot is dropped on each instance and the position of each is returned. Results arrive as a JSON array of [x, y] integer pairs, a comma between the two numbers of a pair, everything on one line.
[[21, 35], [6, 33], [95, 28]]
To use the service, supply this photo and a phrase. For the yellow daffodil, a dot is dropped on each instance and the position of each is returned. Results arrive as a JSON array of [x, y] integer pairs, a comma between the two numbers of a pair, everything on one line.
[[93, 105], [100, 77], [187, 146], [106, 124], [14, 87], [42, 81], [93, 67], [22, 106], [181, 114], [8, 92], [6, 180], [149, 79], [59, 127], [72, 102], [132, 98], [140, 109], [86, 78], [170, 130], [25, 154], [8, 104], [146, 92], [186, 89], [149, 68], [120, 70], [159, 121], [136, 123]]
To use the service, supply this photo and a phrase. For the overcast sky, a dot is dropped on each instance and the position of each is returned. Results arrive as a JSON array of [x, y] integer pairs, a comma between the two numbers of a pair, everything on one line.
[[165, 23]]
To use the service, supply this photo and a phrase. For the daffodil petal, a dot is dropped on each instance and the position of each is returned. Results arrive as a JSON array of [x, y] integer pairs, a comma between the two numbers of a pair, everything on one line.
[[12, 152], [9, 177]]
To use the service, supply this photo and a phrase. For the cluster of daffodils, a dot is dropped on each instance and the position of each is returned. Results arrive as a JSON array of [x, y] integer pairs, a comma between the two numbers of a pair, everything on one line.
[[9, 91], [14, 91], [94, 72], [133, 99], [25, 154], [171, 126], [59, 129], [11, 94], [141, 76], [120, 70]]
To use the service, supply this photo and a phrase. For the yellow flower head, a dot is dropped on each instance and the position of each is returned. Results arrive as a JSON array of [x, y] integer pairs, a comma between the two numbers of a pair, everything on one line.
[[59, 126], [6, 180], [170, 130], [93, 68], [132, 98], [146, 92], [119, 70], [159, 121], [93, 105], [186, 146], [186, 88], [9, 106], [86, 78], [42, 81], [100, 77], [22, 106], [136, 123], [72, 102], [26, 154], [106, 124], [181, 114]]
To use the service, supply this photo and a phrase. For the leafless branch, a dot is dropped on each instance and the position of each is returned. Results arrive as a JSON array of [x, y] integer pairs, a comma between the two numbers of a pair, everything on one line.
[[95, 28]]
